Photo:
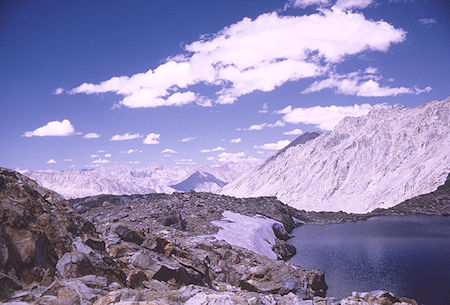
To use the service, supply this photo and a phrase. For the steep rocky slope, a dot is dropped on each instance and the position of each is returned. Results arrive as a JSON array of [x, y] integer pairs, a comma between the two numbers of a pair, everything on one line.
[[368, 162]]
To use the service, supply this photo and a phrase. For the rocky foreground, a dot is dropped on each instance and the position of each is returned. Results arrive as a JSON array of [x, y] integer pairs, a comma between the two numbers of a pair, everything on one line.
[[157, 249]]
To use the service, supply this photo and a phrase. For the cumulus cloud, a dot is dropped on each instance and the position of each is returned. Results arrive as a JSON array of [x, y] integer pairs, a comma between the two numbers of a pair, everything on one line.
[[427, 21], [218, 148], [290, 48], [262, 126], [108, 155], [359, 83], [51, 161], [295, 132], [125, 137], [236, 140], [168, 151], [53, 129], [58, 91], [188, 139], [91, 135], [325, 118], [152, 138], [100, 161], [274, 146]]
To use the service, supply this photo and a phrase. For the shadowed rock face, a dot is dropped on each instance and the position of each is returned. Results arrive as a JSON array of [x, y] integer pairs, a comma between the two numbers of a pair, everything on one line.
[[37, 227]]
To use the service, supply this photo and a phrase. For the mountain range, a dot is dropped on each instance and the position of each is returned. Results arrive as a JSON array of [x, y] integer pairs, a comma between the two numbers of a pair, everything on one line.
[[125, 180], [368, 162]]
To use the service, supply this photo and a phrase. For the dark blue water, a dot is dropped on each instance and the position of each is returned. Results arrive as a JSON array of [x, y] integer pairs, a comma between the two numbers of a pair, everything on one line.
[[407, 255]]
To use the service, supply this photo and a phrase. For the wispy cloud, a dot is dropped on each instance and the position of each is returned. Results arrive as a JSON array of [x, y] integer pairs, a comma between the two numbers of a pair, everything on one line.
[[125, 137], [100, 161], [131, 151], [262, 126], [53, 129], [218, 148], [295, 132], [274, 146], [427, 21], [359, 83], [67, 160], [264, 108], [236, 140], [58, 91], [235, 157], [188, 139], [168, 151], [91, 135]]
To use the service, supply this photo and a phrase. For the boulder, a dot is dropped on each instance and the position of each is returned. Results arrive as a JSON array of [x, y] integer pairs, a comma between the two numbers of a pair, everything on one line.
[[127, 234], [74, 264], [280, 231], [284, 250]]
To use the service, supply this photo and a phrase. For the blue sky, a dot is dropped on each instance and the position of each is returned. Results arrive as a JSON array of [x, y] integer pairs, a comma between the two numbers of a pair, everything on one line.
[[93, 83]]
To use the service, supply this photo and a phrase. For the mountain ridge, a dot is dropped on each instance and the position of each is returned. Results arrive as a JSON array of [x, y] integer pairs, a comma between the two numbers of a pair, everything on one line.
[[374, 161]]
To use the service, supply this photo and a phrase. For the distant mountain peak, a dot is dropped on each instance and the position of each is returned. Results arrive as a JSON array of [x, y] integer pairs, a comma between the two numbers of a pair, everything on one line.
[[199, 180]]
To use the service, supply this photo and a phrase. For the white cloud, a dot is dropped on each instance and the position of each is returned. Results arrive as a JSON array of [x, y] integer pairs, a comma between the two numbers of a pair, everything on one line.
[[67, 160], [94, 156], [305, 3], [290, 48], [72, 165], [168, 151], [126, 136], [134, 162], [152, 138], [51, 161], [274, 146], [351, 4], [236, 140], [360, 84], [218, 148], [235, 157], [262, 126], [210, 158], [108, 155], [188, 139], [295, 132], [326, 118], [427, 21], [131, 151], [264, 109], [101, 151], [58, 91], [53, 129], [100, 161], [91, 135]]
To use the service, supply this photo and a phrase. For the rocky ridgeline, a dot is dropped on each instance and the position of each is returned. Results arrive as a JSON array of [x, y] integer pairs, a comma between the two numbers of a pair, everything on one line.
[[145, 249]]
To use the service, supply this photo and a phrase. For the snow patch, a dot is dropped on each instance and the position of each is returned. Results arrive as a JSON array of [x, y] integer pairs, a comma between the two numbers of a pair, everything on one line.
[[253, 233]]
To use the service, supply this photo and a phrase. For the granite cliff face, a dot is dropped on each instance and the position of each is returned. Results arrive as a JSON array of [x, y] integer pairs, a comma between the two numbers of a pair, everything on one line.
[[365, 163], [151, 249]]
